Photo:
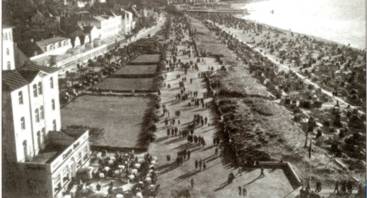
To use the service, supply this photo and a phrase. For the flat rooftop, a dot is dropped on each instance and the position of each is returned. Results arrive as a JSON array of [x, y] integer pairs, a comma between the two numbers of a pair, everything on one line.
[[57, 142]]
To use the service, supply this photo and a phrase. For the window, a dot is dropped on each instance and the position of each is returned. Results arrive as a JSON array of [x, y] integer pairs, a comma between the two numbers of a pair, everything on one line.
[[22, 122], [37, 115], [40, 88], [39, 139], [66, 174], [42, 112], [43, 134], [51, 82], [35, 90], [54, 124], [25, 150], [20, 97], [5, 35], [57, 182], [7, 51], [9, 65], [53, 104]]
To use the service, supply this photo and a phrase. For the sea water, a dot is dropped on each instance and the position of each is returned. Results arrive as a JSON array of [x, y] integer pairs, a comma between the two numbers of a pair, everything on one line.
[[342, 21]]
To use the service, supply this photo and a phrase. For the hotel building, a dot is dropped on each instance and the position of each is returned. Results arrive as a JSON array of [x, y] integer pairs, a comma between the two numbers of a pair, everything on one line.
[[39, 157]]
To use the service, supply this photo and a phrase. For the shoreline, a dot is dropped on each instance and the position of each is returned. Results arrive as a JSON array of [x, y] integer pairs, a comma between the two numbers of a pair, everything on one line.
[[318, 38]]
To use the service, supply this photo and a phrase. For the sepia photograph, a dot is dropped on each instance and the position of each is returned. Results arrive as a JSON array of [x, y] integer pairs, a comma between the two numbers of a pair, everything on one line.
[[183, 98]]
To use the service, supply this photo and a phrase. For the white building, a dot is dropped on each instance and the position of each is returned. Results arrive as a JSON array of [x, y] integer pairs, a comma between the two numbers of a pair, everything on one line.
[[127, 22], [38, 157], [8, 49], [55, 45], [108, 25]]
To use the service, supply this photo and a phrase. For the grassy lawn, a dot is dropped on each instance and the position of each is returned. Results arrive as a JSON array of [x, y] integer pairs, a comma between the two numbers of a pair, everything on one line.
[[120, 117], [126, 84], [137, 69], [147, 59]]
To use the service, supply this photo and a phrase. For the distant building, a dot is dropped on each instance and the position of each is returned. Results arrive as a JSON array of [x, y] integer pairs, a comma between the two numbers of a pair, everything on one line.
[[191, 1], [108, 25], [38, 157], [55, 45], [8, 49], [127, 21]]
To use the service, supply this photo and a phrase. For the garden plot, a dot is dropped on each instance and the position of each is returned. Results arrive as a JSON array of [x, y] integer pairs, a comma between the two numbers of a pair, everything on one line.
[[120, 117], [126, 84]]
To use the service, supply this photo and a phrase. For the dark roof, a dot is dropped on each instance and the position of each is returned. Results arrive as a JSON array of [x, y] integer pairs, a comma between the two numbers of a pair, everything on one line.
[[28, 75], [33, 67], [51, 40], [87, 29], [30, 48], [20, 58], [12, 80]]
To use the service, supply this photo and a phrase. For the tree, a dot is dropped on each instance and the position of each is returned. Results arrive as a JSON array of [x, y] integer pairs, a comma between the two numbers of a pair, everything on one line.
[[310, 126]]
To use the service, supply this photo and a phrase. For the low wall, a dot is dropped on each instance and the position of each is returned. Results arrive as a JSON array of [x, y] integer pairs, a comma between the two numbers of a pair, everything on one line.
[[291, 174], [121, 149], [133, 75]]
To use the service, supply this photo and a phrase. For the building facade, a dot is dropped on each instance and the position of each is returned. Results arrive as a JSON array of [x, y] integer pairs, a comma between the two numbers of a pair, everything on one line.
[[8, 48], [128, 26], [55, 45], [36, 151]]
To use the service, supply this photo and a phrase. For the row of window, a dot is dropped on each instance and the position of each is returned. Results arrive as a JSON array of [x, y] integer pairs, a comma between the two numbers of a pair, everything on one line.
[[37, 90], [39, 115], [25, 148], [67, 171], [7, 36], [56, 45], [8, 64]]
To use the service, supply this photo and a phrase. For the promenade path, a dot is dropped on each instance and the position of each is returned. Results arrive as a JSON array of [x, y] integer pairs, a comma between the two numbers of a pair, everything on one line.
[[212, 182]]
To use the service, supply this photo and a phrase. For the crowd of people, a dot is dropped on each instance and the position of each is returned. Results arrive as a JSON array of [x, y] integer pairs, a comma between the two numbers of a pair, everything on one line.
[[337, 68], [111, 171], [334, 125]]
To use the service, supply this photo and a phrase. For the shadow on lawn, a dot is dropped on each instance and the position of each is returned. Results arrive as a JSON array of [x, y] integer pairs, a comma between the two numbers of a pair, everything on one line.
[[169, 167], [254, 180], [223, 185], [187, 175], [174, 140], [186, 145], [161, 139]]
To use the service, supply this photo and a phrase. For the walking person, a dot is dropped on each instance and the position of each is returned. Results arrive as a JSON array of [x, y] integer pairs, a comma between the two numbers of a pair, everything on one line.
[[262, 174], [244, 192], [230, 178], [192, 182], [168, 157], [240, 190], [318, 186], [336, 189]]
